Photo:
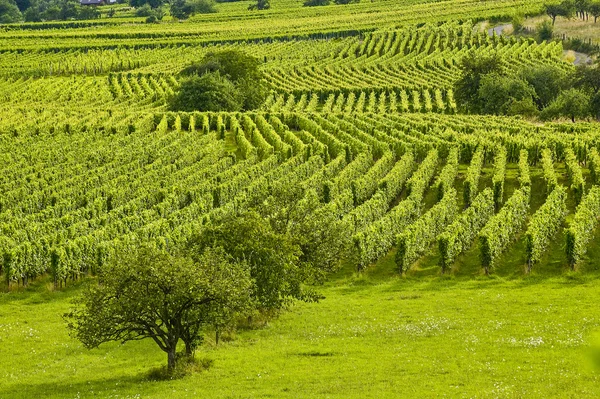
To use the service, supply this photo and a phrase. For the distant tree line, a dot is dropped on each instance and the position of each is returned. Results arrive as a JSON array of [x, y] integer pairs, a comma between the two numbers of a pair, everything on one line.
[[489, 86], [12, 11]]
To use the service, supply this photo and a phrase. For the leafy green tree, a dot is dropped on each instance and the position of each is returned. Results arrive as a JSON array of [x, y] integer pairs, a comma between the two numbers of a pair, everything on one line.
[[260, 5], [242, 70], [346, 1], [564, 9], [573, 104], [273, 258], [506, 95], [183, 9], [594, 10], [209, 92], [9, 12], [587, 78], [547, 81], [150, 294], [474, 66]]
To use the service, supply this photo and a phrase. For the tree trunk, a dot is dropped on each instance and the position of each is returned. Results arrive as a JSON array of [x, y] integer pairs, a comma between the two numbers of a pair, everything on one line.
[[189, 350], [553, 20], [216, 336], [171, 359]]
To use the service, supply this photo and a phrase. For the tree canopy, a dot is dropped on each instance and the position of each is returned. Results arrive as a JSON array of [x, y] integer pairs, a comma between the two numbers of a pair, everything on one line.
[[230, 74], [146, 293]]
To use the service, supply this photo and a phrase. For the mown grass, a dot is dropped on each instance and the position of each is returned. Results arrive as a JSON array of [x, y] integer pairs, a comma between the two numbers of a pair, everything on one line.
[[374, 335]]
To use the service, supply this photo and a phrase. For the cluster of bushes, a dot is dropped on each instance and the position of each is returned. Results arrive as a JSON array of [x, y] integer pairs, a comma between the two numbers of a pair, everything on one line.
[[489, 86], [153, 10], [225, 81], [312, 3], [12, 11]]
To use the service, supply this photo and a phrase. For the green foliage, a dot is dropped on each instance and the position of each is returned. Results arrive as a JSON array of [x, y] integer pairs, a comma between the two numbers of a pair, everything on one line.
[[260, 5], [544, 224], [582, 227], [502, 229], [241, 70], [151, 3], [183, 9], [146, 293], [545, 31], [209, 92], [474, 67], [575, 175], [418, 237], [564, 9], [52, 10], [505, 95], [459, 236], [273, 257], [9, 12], [547, 81], [313, 3], [573, 104], [548, 170], [471, 183], [499, 176]]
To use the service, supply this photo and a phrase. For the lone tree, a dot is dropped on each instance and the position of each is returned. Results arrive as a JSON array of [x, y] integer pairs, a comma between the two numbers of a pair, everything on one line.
[[235, 75], [151, 294]]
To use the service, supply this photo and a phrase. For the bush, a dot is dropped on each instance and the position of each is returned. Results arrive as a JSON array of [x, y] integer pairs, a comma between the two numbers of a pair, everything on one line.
[[545, 31], [312, 3], [209, 92], [241, 70]]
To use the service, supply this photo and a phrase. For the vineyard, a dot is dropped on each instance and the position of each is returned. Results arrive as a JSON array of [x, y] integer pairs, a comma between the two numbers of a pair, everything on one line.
[[444, 216], [367, 123], [76, 192]]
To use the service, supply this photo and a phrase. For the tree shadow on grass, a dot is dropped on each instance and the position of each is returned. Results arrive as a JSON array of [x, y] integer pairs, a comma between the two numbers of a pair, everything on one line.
[[107, 387]]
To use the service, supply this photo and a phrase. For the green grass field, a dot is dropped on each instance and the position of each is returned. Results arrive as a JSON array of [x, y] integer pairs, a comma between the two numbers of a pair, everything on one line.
[[372, 336]]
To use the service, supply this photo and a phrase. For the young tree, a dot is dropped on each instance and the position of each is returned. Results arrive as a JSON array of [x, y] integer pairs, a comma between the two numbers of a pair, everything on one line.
[[150, 294], [573, 104]]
